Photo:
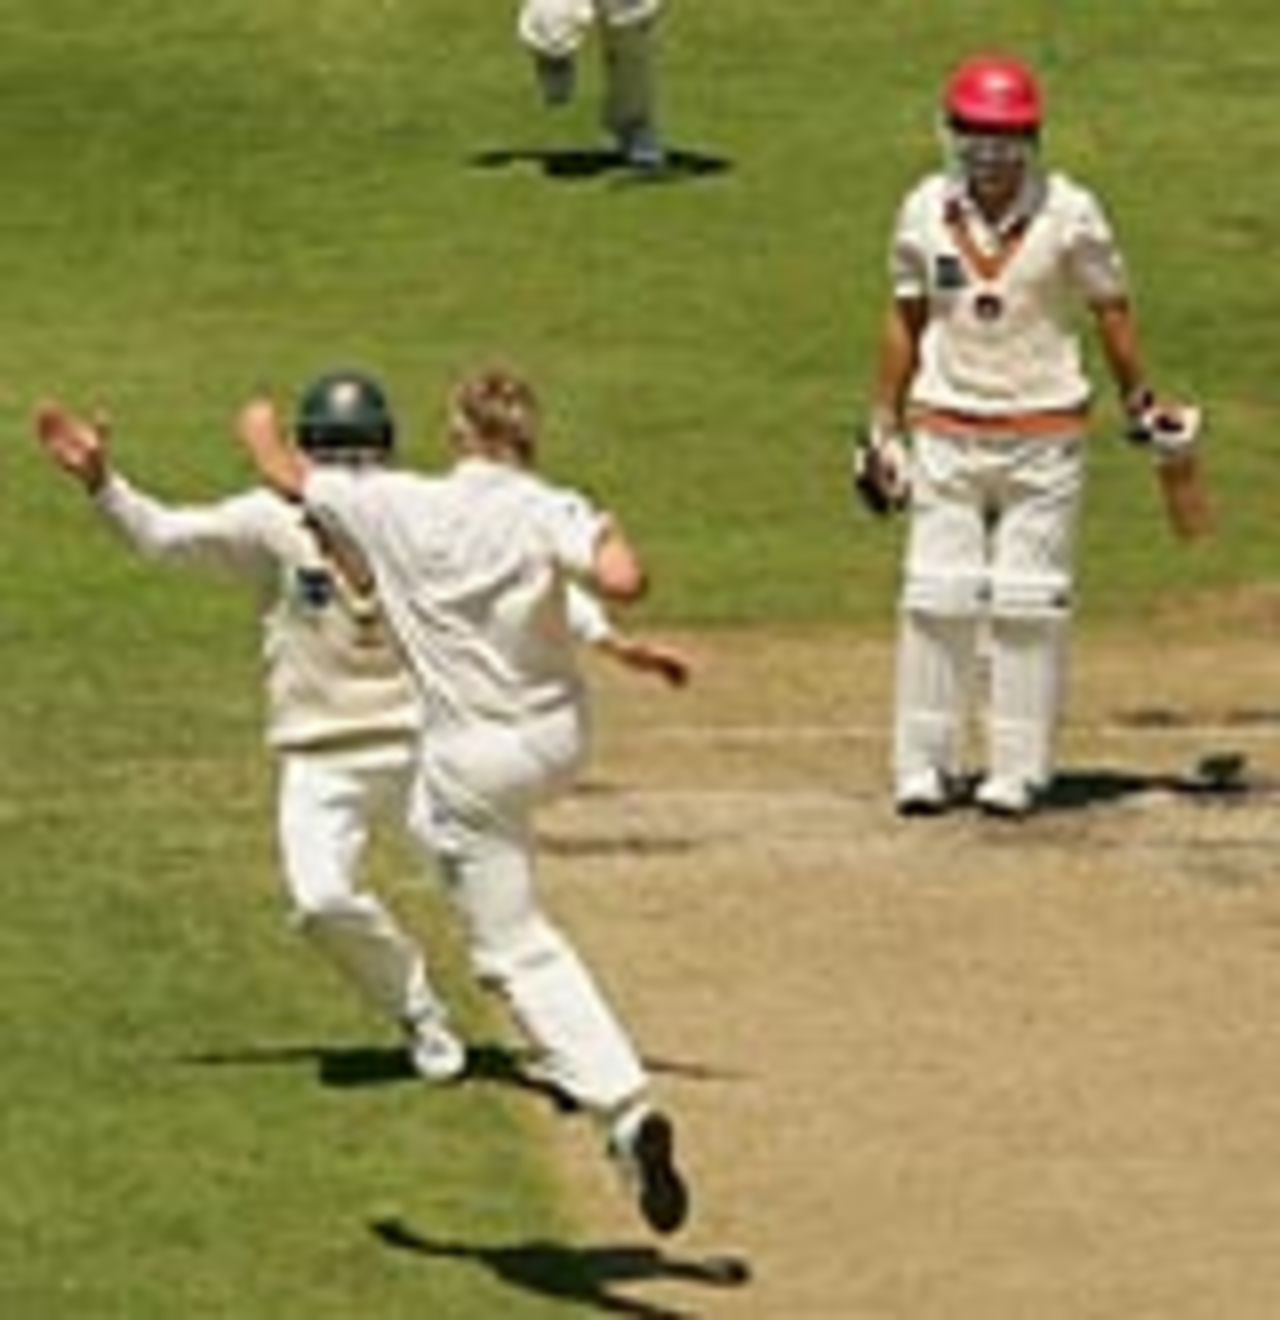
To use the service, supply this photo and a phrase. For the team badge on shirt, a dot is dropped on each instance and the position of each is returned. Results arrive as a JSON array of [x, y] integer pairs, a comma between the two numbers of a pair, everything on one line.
[[315, 587], [988, 307], [949, 272]]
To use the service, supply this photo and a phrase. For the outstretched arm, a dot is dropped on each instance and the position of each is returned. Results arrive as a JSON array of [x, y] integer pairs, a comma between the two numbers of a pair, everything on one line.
[[78, 445], [280, 465], [224, 535]]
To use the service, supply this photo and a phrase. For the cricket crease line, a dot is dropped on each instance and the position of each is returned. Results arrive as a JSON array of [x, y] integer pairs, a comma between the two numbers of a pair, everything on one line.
[[782, 733]]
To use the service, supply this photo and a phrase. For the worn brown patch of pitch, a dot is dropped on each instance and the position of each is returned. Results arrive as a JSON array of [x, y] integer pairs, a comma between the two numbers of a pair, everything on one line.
[[953, 1069]]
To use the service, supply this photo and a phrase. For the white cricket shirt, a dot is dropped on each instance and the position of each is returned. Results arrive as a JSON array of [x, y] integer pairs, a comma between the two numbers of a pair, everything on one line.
[[333, 674], [1001, 335], [472, 569]]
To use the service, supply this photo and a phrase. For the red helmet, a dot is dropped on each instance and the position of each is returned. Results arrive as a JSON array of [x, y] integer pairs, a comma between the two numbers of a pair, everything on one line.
[[993, 94]]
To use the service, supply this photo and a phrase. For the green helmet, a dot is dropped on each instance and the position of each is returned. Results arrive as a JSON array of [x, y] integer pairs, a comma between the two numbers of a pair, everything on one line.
[[345, 413]]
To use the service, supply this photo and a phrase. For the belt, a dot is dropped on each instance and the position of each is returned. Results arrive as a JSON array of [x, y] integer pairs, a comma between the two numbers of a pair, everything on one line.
[[1052, 422]]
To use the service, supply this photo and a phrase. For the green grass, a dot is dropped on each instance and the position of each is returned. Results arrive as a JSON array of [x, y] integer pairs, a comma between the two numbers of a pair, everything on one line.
[[203, 199]]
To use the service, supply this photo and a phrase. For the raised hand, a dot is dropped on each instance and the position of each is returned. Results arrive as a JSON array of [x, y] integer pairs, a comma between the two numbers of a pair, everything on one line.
[[278, 463], [78, 445]]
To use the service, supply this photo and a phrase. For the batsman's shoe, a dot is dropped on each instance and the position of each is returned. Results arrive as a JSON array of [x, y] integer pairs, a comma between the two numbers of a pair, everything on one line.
[[928, 793], [1006, 799], [437, 1055], [642, 1146], [557, 77]]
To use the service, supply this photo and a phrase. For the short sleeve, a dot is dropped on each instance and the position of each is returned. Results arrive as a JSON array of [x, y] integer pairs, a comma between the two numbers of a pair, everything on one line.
[[908, 250], [1093, 256], [574, 527], [588, 621]]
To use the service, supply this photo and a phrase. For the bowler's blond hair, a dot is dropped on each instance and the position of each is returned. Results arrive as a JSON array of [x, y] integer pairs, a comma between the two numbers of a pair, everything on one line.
[[496, 411]]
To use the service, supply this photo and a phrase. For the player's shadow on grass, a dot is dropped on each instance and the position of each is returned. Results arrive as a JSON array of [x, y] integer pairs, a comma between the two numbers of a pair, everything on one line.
[[583, 1276], [577, 164], [351, 1066], [336, 1065]]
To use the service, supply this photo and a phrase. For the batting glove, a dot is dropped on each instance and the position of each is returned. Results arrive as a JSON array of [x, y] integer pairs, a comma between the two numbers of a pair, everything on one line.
[[1170, 429], [882, 468]]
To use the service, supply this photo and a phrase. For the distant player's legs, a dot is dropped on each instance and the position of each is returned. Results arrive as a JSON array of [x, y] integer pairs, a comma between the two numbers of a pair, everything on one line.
[[552, 30], [628, 34], [325, 808]]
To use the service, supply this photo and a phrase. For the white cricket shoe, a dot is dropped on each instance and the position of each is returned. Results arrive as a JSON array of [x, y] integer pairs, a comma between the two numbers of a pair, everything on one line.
[[437, 1055], [1008, 799], [642, 1147], [925, 794]]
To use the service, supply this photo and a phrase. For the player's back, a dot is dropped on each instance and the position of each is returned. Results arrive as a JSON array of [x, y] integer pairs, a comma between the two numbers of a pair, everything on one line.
[[469, 577]]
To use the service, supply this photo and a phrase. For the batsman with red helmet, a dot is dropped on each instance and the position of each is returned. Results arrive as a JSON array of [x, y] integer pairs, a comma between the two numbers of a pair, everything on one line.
[[978, 425]]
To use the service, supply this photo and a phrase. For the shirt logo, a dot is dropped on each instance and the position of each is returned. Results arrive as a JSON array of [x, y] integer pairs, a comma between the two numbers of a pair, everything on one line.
[[315, 587], [988, 307], [948, 272]]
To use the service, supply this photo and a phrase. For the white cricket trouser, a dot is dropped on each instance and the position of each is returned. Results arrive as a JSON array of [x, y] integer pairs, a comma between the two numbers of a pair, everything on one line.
[[473, 812], [992, 537], [557, 27], [328, 803], [627, 38]]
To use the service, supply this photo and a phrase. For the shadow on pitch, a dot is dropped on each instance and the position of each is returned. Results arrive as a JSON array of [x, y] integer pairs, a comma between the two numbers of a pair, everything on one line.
[[505, 1066], [577, 164], [488, 1062], [378, 1065], [584, 1276], [1218, 777]]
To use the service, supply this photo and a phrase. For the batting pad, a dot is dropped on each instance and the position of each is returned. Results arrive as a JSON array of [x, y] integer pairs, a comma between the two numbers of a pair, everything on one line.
[[934, 677], [1028, 679]]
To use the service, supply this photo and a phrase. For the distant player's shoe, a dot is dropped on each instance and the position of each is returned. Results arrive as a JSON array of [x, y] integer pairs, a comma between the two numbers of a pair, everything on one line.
[[642, 1146], [437, 1055], [926, 794], [557, 77], [1005, 799], [641, 148]]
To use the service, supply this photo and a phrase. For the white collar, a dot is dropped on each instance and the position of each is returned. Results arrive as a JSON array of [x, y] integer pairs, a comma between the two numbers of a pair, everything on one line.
[[1026, 202]]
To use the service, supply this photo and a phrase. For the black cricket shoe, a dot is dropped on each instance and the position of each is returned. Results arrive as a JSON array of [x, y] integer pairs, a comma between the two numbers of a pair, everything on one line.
[[645, 1154]]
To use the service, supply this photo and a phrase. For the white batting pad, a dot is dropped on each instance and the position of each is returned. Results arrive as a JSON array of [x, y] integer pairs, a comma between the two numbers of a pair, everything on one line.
[[935, 669]]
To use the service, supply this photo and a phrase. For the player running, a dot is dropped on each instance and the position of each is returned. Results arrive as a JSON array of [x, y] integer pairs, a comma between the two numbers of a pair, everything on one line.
[[472, 569], [342, 715], [553, 31]]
